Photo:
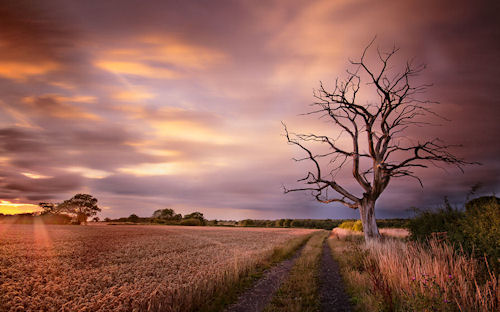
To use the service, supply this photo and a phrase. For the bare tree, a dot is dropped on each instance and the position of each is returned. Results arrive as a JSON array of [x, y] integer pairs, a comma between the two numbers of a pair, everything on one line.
[[377, 146]]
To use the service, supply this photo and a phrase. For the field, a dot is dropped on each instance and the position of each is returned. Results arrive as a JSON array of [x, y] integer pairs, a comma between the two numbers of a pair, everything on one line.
[[126, 268]]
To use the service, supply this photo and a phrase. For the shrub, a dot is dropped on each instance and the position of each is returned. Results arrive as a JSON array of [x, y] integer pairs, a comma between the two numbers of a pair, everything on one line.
[[352, 225], [191, 222], [54, 218], [247, 222], [475, 230], [133, 218], [480, 228], [357, 226], [346, 225], [442, 220], [196, 215]]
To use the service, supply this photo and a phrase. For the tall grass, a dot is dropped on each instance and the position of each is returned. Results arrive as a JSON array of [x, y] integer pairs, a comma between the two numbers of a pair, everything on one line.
[[392, 275]]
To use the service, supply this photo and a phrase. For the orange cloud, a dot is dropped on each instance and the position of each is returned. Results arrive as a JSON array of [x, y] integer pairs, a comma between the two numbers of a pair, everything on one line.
[[35, 175], [151, 169], [135, 95], [88, 172], [137, 69], [22, 70], [189, 131], [170, 55], [57, 106], [172, 51], [181, 124]]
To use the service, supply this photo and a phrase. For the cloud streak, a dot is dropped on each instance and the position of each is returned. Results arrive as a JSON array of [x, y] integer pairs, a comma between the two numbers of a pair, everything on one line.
[[179, 104]]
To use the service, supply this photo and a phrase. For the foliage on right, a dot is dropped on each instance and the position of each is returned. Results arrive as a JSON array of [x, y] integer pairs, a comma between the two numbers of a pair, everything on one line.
[[475, 229]]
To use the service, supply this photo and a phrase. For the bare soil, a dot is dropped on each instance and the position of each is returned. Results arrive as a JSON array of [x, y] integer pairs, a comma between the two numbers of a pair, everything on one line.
[[257, 297], [331, 288]]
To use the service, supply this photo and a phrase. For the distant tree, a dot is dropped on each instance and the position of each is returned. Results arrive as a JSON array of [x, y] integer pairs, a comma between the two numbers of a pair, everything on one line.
[[247, 222], [48, 208], [196, 215], [133, 218], [191, 222], [287, 223], [82, 206], [166, 214], [371, 111], [96, 219], [107, 219]]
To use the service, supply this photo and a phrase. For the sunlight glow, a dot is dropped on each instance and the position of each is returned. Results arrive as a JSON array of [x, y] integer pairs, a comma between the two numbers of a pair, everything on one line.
[[6, 207], [190, 131], [89, 173], [150, 169], [134, 96], [136, 69], [35, 176]]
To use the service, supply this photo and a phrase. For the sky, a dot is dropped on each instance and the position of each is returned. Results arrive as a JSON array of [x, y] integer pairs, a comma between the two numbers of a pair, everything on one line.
[[155, 104]]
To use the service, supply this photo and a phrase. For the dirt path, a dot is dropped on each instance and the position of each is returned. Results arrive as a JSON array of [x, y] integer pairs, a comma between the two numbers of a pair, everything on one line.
[[331, 289], [260, 294]]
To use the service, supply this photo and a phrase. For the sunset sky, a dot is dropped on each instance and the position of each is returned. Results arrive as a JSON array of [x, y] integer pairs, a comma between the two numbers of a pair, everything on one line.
[[155, 104]]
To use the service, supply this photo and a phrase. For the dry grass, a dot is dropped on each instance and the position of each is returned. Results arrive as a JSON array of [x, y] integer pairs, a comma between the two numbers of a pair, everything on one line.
[[433, 275], [394, 232], [339, 233], [127, 268], [395, 276], [388, 232]]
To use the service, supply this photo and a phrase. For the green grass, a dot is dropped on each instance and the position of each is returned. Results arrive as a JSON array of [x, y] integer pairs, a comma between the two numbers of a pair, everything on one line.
[[300, 291]]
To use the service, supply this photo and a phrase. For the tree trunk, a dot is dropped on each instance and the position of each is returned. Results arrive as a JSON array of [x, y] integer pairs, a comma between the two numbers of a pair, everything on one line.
[[367, 213], [81, 218]]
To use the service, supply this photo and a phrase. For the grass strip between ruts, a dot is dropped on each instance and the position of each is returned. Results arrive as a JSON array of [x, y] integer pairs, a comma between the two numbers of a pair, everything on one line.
[[229, 294], [300, 291]]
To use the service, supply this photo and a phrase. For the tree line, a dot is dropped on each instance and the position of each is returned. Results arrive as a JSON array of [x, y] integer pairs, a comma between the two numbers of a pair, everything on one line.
[[170, 217], [166, 216]]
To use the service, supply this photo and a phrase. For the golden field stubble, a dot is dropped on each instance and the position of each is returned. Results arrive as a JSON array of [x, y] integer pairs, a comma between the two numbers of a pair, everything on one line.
[[125, 268]]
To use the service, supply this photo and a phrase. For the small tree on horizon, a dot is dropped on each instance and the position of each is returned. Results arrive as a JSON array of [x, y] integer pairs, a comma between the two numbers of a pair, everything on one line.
[[82, 206], [166, 214], [196, 215], [377, 148]]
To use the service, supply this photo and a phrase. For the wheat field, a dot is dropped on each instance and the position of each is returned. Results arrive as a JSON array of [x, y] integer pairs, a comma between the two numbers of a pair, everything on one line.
[[126, 268]]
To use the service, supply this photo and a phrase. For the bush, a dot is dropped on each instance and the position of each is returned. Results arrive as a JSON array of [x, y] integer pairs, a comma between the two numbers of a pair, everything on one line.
[[247, 222], [357, 226], [480, 228], [346, 225], [53, 218], [392, 223], [133, 218], [352, 225], [191, 222], [475, 230], [442, 220]]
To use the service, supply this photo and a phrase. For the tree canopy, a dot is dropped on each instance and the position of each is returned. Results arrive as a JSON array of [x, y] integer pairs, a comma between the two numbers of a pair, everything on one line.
[[82, 206]]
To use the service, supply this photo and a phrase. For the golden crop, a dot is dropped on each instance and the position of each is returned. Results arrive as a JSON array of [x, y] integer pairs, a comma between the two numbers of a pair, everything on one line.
[[125, 268]]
